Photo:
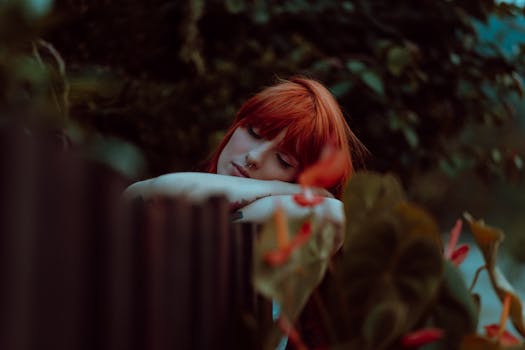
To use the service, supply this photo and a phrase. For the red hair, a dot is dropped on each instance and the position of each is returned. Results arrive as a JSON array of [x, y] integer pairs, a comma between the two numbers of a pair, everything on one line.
[[311, 116]]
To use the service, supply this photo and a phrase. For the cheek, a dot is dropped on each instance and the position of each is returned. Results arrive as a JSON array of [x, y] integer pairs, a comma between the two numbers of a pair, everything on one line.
[[275, 172], [238, 144]]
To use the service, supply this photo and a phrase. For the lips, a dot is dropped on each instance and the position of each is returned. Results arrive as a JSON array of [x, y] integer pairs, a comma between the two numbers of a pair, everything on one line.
[[239, 171]]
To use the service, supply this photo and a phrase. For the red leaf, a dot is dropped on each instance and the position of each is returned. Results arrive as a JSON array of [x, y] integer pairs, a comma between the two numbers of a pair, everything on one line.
[[302, 200], [280, 256], [289, 330], [277, 257], [454, 236], [459, 254], [507, 339], [302, 235], [421, 337], [327, 171]]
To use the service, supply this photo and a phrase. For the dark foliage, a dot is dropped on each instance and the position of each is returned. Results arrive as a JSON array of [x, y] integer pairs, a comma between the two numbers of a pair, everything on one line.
[[411, 77]]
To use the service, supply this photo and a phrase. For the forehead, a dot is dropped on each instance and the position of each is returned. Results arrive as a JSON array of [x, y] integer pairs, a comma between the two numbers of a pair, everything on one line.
[[280, 136], [300, 136]]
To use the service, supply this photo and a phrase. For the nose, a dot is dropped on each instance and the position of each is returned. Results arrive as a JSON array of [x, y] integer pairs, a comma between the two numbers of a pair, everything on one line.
[[255, 156]]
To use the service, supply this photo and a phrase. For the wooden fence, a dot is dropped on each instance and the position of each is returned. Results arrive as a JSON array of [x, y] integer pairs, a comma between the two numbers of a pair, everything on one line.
[[80, 269]]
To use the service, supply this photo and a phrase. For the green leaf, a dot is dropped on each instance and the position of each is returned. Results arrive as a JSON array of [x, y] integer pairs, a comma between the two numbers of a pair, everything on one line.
[[348, 6], [37, 8], [373, 81], [341, 89], [455, 59], [455, 311], [355, 66], [398, 58], [385, 236], [411, 137], [380, 267], [383, 324]]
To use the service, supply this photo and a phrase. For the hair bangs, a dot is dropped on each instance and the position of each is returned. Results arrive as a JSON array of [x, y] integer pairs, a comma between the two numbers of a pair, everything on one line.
[[311, 117]]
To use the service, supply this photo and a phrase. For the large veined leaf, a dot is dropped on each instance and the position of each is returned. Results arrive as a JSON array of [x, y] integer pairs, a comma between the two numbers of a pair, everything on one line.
[[455, 311], [392, 271], [389, 271], [488, 239]]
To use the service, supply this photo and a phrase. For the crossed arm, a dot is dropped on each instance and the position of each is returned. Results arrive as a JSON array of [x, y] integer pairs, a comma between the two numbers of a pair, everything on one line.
[[254, 200]]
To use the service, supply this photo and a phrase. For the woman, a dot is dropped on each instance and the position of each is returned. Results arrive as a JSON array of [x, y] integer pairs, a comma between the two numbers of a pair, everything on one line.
[[277, 134]]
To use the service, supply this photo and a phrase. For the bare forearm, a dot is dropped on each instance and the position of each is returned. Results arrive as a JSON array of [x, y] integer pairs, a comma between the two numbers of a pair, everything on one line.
[[198, 186]]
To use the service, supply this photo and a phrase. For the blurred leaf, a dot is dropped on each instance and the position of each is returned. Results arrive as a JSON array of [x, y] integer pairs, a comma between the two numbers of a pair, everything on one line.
[[398, 58], [373, 81], [235, 6], [488, 240], [369, 194], [455, 59], [475, 342], [341, 89], [455, 311], [421, 337], [38, 8], [384, 324], [387, 291], [411, 137], [355, 66], [348, 6], [291, 283]]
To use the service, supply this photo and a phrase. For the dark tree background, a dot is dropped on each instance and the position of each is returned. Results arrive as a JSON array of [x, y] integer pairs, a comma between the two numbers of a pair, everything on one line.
[[420, 87]]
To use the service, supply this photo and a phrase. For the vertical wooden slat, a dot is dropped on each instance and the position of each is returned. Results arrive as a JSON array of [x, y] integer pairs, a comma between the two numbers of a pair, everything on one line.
[[180, 272], [155, 254], [220, 235], [138, 335], [60, 278], [19, 241], [205, 290], [119, 280]]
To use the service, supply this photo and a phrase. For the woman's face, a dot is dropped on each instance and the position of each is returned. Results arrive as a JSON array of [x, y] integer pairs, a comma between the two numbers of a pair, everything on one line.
[[248, 154]]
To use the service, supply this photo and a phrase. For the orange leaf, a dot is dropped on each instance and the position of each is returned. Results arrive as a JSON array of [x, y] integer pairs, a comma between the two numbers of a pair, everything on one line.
[[504, 315], [302, 235], [281, 255], [289, 330], [281, 228], [327, 171], [421, 337], [277, 257]]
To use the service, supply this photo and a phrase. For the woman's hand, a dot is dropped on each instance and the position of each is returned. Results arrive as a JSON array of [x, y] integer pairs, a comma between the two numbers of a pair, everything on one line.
[[330, 211]]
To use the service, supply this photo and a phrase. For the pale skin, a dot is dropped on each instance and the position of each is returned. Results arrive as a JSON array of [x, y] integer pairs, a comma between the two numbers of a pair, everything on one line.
[[253, 174]]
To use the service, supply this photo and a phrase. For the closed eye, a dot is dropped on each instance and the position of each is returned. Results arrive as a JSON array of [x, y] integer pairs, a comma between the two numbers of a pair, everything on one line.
[[253, 133], [283, 162]]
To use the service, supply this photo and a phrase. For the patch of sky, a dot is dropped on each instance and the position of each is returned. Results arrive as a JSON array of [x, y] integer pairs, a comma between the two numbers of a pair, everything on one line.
[[505, 33], [514, 2]]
